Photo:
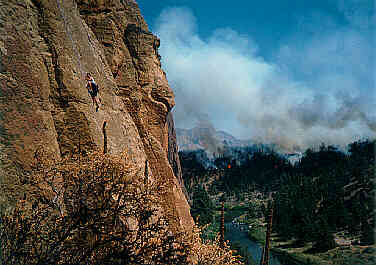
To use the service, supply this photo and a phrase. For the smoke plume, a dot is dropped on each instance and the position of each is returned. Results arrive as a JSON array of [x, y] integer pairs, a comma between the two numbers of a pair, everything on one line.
[[317, 87]]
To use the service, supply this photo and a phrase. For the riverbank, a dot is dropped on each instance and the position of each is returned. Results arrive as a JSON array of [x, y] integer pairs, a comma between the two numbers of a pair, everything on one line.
[[343, 254], [291, 253]]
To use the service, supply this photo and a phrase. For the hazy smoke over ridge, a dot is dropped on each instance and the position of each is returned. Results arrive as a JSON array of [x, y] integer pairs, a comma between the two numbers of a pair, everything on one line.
[[315, 89]]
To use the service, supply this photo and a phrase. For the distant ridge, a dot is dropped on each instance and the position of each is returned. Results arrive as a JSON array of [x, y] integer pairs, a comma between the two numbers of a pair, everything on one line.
[[208, 139], [216, 143]]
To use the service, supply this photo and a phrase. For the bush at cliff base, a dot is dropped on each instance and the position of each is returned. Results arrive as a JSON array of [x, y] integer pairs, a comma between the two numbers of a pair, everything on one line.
[[88, 210]]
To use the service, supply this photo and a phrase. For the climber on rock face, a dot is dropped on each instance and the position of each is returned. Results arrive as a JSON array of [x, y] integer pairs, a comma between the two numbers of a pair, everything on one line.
[[92, 88]]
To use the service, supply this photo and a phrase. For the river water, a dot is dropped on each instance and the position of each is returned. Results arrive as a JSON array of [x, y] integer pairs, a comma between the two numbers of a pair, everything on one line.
[[233, 234]]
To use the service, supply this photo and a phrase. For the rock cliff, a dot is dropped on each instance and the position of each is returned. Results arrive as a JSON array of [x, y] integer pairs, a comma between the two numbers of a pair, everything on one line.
[[46, 47]]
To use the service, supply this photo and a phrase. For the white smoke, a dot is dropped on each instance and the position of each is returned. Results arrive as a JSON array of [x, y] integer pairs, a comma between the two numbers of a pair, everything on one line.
[[315, 89]]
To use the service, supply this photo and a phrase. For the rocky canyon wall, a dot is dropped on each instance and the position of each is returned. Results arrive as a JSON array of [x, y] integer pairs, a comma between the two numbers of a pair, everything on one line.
[[46, 47]]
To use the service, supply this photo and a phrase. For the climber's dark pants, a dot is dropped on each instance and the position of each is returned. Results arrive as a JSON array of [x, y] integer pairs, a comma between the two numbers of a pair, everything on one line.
[[94, 97]]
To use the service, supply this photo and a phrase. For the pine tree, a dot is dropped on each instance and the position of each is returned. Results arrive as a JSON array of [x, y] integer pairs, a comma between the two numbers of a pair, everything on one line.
[[202, 206]]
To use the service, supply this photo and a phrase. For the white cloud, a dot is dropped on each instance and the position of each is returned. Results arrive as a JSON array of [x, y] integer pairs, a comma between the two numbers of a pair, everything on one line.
[[299, 97]]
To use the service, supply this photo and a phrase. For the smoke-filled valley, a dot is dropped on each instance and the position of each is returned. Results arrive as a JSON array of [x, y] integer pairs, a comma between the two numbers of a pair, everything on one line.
[[323, 200]]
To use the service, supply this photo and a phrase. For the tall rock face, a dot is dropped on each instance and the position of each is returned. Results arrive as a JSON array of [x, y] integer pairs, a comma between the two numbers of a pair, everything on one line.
[[46, 47]]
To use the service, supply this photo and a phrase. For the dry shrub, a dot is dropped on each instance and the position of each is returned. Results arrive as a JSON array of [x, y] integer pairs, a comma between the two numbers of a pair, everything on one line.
[[86, 210], [209, 253]]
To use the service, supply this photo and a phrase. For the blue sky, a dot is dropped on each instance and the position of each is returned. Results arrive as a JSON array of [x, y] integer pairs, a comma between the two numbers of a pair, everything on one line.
[[291, 72], [269, 21]]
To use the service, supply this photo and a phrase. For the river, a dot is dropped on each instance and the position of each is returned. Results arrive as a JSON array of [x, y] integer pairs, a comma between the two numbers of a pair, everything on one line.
[[233, 234]]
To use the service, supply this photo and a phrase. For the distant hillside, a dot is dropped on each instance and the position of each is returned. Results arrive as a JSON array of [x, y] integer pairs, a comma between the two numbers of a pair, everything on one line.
[[207, 138], [218, 143]]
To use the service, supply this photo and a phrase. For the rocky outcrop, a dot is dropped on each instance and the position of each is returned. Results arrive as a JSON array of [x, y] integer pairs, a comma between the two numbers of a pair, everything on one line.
[[44, 103]]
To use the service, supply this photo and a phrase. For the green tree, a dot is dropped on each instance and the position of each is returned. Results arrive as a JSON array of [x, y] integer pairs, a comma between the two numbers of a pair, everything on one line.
[[202, 206], [324, 238]]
